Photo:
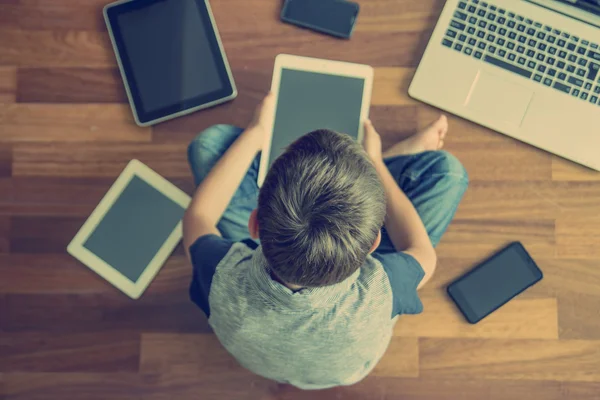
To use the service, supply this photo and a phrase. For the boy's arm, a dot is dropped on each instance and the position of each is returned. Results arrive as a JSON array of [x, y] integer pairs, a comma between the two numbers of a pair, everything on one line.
[[402, 222], [214, 193]]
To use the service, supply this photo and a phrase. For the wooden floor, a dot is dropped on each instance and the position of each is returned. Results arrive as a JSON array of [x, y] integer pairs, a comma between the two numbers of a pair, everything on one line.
[[66, 132]]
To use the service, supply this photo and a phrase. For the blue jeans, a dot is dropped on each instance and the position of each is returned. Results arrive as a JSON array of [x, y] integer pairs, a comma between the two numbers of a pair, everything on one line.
[[434, 181]]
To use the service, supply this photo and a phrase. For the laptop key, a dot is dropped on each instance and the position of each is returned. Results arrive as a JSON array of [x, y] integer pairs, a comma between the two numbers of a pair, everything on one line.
[[532, 43], [521, 28], [501, 53], [472, 41], [593, 99], [582, 62], [575, 92], [540, 57], [572, 58], [594, 55], [552, 50], [581, 50], [583, 96], [530, 53], [587, 86], [552, 72], [562, 54], [462, 5], [458, 47], [571, 46], [561, 43], [481, 45], [551, 39], [460, 15], [562, 76], [531, 64], [512, 35], [501, 20], [547, 81], [542, 47], [575, 81], [472, 20], [537, 78], [561, 64], [491, 49], [597, 89], [472, 9], [451, 33], [521, 60], [520, 49], [491, 38], [511, 24], [531, 31], [447, 43], [522, 39], [482, 24], [551, 60], [457, 25], [571, 68], [562, 87], [512, 56], [481, 34], [492, 27], [542, 68], [471, 30], [509, 67], [510, 45], [478, 54], [593, 71], [581, 72], [481, 13], [502, 31], [541, 35], [500, 42], [468, 51], [462, 38]]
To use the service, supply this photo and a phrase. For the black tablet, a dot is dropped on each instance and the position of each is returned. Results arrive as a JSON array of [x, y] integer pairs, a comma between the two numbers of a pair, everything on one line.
[[170, 56]]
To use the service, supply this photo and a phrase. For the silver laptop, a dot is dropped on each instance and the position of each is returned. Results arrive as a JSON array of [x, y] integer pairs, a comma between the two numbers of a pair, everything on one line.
[[527, 68]]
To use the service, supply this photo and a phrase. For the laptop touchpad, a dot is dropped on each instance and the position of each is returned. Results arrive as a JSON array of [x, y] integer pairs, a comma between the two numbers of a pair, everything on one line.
[[498, 99]]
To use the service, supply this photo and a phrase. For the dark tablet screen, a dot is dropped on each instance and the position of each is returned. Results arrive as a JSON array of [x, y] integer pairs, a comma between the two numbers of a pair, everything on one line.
[[134, 229], [170, 55], [310, 100]]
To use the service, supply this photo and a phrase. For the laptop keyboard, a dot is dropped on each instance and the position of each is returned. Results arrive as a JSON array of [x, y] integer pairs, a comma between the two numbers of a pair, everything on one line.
[[520, 45]]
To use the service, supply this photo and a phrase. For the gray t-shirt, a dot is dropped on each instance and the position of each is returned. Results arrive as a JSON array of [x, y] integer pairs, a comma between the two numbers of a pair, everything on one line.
[[313, 338]]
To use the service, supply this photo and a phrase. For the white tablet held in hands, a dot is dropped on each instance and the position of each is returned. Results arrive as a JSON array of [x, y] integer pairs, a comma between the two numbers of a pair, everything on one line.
[[133, 230], [315, 94]]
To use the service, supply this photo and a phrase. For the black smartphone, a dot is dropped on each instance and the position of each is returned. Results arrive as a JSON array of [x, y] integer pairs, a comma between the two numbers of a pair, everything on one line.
[[494, 282], [333, 17]]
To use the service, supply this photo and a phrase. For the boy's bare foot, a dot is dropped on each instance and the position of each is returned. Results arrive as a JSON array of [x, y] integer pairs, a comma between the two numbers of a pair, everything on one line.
[[431, 138]]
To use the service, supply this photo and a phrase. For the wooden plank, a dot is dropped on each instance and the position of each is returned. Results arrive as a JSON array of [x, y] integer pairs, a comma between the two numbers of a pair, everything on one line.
[[8, 84], [4, 234], [70, 85], [564, 170], [79, 352], [480, 238], [468, 389], [5, 161], [390, 86], [400, 360], [203, 354], [82, 386], [564, 360], [578, 237], [519, 319], [98, 160], [63, 274], [162, 311], [41, 123], [42, 235], [529, 200], [55, 48], [61, 15]]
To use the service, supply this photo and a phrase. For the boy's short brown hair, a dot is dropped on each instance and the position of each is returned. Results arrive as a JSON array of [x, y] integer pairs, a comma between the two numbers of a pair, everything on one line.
[[320, 210]]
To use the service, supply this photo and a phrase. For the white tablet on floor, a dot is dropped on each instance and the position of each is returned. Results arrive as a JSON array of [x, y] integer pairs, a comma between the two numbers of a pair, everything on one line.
[[315, 94], [133, 230]]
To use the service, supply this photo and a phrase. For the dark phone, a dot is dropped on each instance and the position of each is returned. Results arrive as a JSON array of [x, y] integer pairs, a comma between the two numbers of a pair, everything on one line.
[[334, 17], [494, 282]]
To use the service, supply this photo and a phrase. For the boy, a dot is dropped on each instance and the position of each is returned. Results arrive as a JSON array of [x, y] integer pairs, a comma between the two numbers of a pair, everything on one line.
[[301, 282]]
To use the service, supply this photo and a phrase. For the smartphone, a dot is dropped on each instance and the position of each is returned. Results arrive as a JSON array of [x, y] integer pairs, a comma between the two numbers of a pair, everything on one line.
[[333, 17], [494, 282]]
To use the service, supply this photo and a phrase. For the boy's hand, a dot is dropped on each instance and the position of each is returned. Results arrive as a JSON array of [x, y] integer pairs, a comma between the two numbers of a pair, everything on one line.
[[372, 142], [264, 115]]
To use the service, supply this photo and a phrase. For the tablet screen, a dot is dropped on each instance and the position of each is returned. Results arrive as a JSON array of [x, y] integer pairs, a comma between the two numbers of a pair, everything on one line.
[[134, 228], [169, 52], [312, 100]]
